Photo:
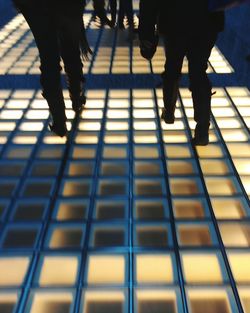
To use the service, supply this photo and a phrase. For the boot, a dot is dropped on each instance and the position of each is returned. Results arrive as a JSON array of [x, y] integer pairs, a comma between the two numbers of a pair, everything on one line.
[[57, 110], [201, 135], [76, 92], [170, 94]]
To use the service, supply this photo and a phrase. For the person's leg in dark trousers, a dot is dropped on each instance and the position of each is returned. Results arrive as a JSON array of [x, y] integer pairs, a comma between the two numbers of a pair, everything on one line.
[[44, 31], [121, 14], [113, 10], [69, 37], [99, 8], [129, 12], [175, 52], [198, 54]]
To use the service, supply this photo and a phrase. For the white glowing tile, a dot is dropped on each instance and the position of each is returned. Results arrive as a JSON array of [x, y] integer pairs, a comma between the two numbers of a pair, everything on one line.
[[228, 123], [89, 126], [92, 114], [37, 114], [223, 112], [17, 104], [117, 114], [119, 94], [145, 125], [23, 94], [7, 126], [117, 125], [11, 114], [238, 91], [23, 140], [143, 113], [118, 103]]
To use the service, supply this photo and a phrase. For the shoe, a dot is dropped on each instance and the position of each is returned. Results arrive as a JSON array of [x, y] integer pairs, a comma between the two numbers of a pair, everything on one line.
[[59, 129], [167, 117], [201, 136], [78, 102]]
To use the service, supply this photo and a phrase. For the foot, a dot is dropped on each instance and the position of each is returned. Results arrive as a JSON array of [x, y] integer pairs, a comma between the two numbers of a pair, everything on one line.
[[77, 103], [59, 129], [201, 136], [167, 117]]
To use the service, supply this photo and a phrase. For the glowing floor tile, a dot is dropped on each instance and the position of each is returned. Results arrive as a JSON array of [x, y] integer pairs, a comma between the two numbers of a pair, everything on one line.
[[239, 262], [115, 270], [17, 266], [8, 301]]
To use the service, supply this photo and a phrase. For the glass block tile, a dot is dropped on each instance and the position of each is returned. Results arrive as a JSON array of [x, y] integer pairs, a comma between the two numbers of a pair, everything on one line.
[[220, 186], [149, 187], [213, 300], [188, 209], [11, 169], [181, 168], [80, 169], [8, 302], [17, 266], [147, 168], [44, 169], [29, 211], [79, 152], [20, 238], [235, 234], [146, 152], [65, 237], [225, 208], [202, 268], [160, 265], [71, 210], [114, 152], [245, 298], [112, 187], [184, 187], [7, 188], [156, 301], [37, 188], [18, 153], [239, 262], [177, 151], [106, 210], [50, 302], [151, 236], [194, 235], [102, 301], [50, 152], [114, 269], [109, 236], [76, 188], [149, 210], [52, 267], [114, 169]]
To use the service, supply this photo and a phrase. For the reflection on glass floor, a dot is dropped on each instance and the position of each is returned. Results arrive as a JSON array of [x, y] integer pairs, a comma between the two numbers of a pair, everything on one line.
[[126, 215]]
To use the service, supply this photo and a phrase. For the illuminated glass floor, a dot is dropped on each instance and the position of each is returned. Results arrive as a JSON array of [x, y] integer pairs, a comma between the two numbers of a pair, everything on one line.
[[125, 215]]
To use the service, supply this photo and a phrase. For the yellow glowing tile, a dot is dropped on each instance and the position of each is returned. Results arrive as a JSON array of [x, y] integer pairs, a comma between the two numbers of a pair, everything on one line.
[[118, 103], [219, 104], [244, 294], [184, 186], [37, 114], [223, 112], [246, 183], [220, 186], [202, 268], [92, 114], [235, 234], [51, 302], [117, 125], [189, 209], [173, 151], [119, 138], [17, 104], [13, 270], [239, 150], [154, 269], [239, 263], [227, 208], [103, 301], [175, 137], [58, 270], [114, 272], [120, 93], [22, 94], [145, 125], [234, 135], [156, 300], [238, 91], [146, 152], [210, 300], [194, 235], [84, 138], [89, 126], [145, 137], [143, 103], [25, 139], [118, 114], [228, 123], [214, 167], [143, 113], [210, 151]]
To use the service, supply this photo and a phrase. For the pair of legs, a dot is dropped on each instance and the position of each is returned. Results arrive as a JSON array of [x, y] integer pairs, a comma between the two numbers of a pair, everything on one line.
[[125, 8], [197, 49], [99, 9], [57, 34]]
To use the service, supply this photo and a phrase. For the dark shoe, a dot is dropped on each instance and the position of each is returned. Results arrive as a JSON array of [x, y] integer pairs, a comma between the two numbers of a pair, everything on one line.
[[201, 136], [78, 102], [59, 128], [168, 117]]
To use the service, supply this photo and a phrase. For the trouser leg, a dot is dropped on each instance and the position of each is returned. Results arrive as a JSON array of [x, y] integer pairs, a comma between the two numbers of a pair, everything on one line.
[[200, 86], [175, 51], [113, 9]]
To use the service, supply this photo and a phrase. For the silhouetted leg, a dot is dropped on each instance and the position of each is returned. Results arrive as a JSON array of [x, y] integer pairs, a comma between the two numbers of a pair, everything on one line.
[[45, 34], [128, 9], [121, 14], [200, 86], [99, 8], [175, 51], [113, 9]]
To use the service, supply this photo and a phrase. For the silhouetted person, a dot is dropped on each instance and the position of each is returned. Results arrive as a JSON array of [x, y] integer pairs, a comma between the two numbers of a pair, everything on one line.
[[126, 9], [58, 28], [190, 30], [100, 11]]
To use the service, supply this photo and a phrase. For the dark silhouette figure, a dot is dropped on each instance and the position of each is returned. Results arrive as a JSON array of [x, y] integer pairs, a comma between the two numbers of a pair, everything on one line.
[[58, 30], [190, 30], [100, 11], [126, 9]]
